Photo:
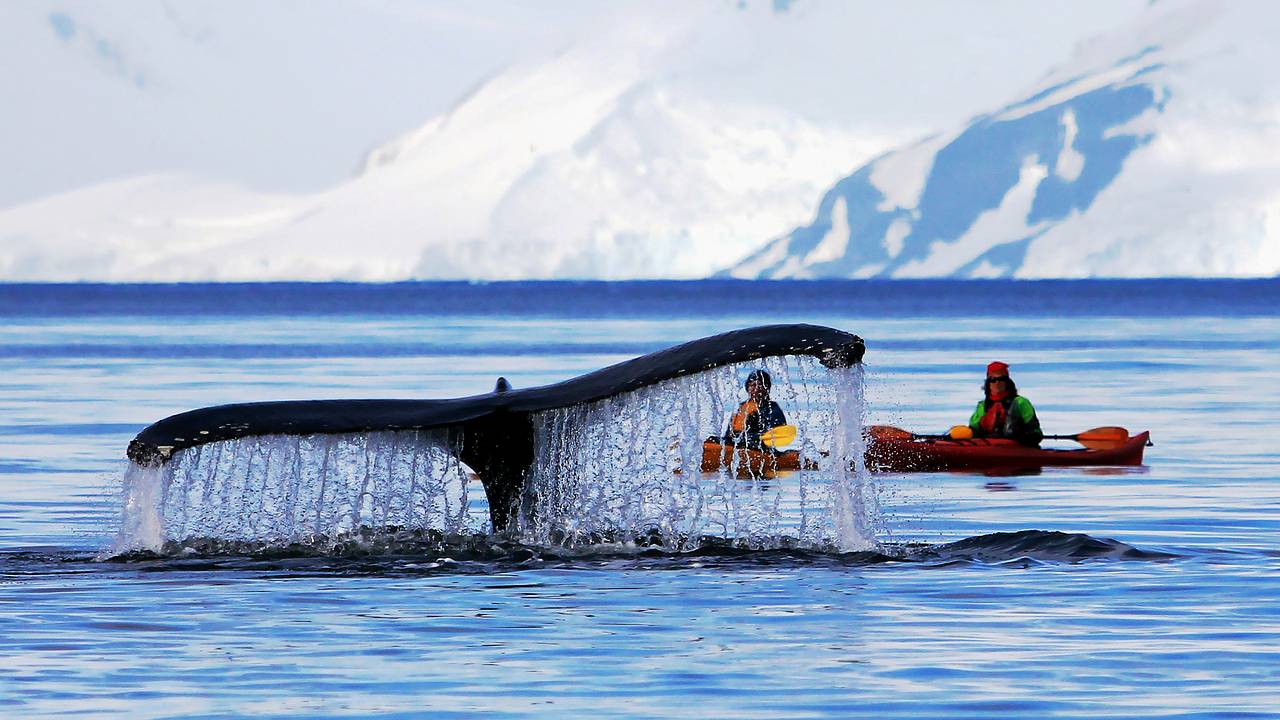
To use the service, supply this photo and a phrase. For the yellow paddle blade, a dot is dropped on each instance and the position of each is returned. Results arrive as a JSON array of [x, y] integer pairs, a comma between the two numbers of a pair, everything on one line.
[[1103, 438], [780, 436], [960, 432]]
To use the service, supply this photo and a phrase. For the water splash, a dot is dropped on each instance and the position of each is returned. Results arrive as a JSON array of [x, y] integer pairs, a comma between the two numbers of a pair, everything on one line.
[[854, 501], [298, 489], [624, 470], [629, 466]]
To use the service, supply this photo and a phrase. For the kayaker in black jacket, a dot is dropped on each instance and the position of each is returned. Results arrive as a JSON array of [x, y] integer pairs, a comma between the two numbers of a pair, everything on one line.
[[757, 415], [1003, 413]]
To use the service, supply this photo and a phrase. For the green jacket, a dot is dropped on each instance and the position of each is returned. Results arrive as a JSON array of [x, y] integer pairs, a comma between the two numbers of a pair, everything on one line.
[[1020, 421]]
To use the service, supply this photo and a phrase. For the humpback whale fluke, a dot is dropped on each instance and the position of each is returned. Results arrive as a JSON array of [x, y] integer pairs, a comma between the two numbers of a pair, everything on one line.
[[492, 433]]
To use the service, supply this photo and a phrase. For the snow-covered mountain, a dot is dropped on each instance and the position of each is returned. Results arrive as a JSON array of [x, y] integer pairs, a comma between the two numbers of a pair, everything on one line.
[[581, 165], [672, 140], [1152, 153]]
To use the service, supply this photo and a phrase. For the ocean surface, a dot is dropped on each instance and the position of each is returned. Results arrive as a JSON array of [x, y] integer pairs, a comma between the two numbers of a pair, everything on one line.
[[1149, 591]]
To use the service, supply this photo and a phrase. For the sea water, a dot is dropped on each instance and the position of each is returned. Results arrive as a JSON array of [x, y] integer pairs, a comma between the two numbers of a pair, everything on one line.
[[1118, 592]]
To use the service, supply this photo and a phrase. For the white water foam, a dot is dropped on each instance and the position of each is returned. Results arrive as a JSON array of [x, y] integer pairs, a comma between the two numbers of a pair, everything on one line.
[[615, 471]]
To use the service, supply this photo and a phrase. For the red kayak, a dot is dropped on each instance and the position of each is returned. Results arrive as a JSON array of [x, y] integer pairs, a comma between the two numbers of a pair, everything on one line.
[[898, 454], [893, 452]]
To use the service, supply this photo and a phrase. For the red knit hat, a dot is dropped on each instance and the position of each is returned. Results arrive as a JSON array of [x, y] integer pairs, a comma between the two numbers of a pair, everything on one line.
[[998, 369]]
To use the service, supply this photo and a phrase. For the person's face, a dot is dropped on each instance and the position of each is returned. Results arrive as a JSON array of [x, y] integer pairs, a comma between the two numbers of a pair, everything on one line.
[[756, 390], [998, 384]]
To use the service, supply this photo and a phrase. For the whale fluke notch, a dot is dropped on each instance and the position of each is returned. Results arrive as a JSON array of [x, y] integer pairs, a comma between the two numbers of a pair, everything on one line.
[[492, 433]]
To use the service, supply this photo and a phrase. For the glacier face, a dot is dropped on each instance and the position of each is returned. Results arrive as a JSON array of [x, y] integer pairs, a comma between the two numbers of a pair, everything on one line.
[[1119, 165]]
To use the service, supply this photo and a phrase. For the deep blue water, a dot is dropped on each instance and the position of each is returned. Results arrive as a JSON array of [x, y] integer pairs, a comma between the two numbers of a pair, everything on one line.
[[1121, 592], [657, 298]]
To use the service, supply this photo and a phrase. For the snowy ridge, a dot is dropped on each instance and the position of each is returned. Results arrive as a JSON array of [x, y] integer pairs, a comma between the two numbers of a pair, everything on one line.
[[1146, 155]]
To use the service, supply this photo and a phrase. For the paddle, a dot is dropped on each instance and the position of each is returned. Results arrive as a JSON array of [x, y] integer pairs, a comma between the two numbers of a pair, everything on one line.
[[889, 432], [780, 436], [1100, 438]]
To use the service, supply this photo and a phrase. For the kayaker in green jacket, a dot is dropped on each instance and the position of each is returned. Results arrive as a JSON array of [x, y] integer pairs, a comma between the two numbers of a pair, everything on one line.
[[1003, 413]]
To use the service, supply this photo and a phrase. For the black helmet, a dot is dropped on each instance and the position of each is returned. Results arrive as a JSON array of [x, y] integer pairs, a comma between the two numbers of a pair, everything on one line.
[[761, 377]]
